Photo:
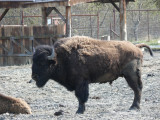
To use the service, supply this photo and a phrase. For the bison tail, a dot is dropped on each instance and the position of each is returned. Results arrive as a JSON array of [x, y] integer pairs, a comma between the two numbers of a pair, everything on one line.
[[146, 46]]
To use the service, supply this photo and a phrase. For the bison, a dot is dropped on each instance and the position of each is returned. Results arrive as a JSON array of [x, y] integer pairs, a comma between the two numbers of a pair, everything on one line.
[[13, 105], [78, 61]]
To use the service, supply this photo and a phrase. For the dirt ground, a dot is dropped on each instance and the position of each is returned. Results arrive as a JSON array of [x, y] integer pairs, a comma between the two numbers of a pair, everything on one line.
[[106, 102]]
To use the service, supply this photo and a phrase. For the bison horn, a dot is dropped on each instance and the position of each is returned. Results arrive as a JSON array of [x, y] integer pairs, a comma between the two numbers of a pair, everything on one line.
[[51, 56]]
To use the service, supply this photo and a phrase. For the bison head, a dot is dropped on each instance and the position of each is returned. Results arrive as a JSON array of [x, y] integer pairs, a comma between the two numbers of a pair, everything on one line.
[[42, 62]]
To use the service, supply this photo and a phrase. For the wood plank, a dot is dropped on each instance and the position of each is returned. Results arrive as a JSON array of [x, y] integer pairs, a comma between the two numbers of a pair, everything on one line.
[[61, 30], [5, 60], [74, 2], [59, 14], [3, 14], [115, 5], [17, 55], [123, 24], [21, 46], [26, 5], [49, 10], [38, 36], [54, 3], [3, 48], [1, 52], [68, 21], [44, 15]]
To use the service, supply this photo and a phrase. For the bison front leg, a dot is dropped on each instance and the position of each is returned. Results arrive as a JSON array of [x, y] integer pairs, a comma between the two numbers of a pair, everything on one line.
[[82, 93]]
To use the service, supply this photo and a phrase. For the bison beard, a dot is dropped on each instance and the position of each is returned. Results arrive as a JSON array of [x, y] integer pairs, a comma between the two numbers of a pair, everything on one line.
[[78, 61]]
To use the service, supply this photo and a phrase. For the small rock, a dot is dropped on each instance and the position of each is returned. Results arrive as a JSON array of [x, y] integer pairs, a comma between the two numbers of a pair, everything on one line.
[[146, 99], [155, 101], [60, 112], [95, 97], [150, 75], [60, 105]]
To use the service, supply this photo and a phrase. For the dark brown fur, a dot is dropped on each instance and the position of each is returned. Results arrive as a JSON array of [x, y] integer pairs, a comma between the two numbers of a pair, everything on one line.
[[79, 61], [107, 56], [144, 45]]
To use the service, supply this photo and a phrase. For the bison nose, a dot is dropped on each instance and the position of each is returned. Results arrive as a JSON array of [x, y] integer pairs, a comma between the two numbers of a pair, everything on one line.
[[34, 77]]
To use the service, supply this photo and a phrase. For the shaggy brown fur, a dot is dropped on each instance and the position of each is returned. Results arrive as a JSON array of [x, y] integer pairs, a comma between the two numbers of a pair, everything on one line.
[[13, 105], [108, 56], [79, 61]]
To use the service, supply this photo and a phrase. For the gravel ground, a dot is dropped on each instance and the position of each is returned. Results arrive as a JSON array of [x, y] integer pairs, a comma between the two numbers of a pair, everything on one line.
[[106, 102]]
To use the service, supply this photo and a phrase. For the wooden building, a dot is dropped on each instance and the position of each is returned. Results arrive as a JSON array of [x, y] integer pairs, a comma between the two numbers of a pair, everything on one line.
[[14, 47], [49, 5]]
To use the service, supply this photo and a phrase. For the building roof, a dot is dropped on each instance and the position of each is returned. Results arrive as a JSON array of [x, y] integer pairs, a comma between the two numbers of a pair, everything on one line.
[[16, 0], [47, 3]]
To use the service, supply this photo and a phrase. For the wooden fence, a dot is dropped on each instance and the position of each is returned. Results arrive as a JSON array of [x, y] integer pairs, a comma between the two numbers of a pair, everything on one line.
[[17, 42]]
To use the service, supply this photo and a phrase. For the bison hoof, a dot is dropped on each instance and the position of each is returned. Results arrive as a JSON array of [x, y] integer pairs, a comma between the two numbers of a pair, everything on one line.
[[134, 108], [80, 110]]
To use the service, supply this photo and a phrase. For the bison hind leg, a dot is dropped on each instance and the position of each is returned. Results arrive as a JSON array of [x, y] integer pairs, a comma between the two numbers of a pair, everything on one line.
[[132, 75]]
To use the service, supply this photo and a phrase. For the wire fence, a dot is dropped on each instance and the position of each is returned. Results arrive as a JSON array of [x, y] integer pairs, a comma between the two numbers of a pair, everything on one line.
[[141, 24]]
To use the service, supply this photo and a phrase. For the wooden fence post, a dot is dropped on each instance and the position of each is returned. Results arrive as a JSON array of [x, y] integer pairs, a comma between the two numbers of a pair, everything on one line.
[[68, 21], [4, 13], [44, 16], [123, 24]]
